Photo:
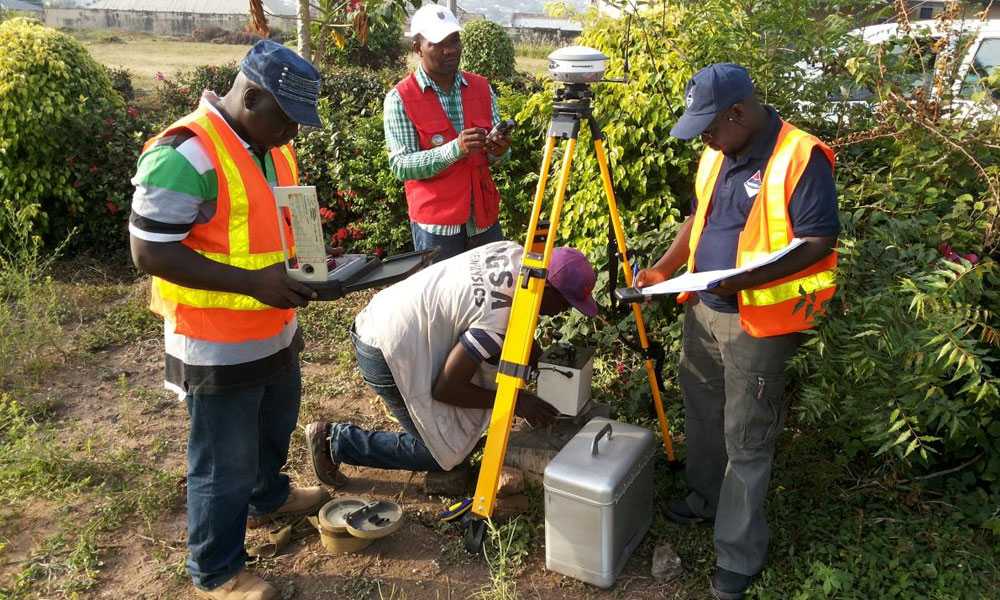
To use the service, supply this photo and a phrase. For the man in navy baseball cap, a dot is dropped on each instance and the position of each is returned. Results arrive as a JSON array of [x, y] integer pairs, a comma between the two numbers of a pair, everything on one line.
[[711, 90], [761, 182], [288, 77]]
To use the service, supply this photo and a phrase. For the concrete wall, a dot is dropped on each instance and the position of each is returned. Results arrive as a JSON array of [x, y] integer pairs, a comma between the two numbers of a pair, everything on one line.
[[161, 23]]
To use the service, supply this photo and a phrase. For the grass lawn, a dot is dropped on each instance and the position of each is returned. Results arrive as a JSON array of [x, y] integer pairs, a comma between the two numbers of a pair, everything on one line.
[[144, 57]]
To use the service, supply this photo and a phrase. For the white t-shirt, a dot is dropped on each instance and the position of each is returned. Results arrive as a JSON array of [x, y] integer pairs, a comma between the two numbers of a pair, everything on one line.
[[418, 321]]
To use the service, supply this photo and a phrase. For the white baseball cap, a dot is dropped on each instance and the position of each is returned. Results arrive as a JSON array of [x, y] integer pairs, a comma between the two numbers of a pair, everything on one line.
[[434, 22]]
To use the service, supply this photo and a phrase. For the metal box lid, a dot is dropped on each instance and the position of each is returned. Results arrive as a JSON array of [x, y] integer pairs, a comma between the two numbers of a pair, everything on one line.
[[600, 462]]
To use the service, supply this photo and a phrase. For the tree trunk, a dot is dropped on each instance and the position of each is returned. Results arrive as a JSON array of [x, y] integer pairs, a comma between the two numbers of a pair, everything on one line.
[[305, 30]]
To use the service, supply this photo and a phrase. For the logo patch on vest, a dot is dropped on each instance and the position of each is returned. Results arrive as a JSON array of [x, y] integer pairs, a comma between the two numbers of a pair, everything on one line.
[[437, 139], [752, 185]]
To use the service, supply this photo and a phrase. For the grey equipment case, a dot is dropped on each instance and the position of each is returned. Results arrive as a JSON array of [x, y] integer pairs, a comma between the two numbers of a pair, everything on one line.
[[598, 500]]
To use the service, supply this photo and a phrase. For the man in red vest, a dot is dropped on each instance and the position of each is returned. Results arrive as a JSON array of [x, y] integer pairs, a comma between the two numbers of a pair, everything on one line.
[[205, 225], [436, 125], [761, 183]]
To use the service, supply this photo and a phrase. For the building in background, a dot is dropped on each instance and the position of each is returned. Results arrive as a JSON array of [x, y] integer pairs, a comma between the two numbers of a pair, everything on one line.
[[34, 9], [179, 17], [541, 28]]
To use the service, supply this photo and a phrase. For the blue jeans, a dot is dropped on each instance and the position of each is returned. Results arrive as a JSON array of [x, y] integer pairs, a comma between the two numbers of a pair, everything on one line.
[[453, 245], [237, 445], [352, 445]]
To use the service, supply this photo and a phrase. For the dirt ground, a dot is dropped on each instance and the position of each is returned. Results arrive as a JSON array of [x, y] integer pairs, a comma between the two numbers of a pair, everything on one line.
[[423, 560]]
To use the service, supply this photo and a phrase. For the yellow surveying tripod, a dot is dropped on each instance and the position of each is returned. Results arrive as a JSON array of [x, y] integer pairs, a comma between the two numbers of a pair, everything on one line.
[[572, 105]]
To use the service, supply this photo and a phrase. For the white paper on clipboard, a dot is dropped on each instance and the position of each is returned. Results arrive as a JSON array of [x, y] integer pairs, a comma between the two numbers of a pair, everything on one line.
[[706, 280]]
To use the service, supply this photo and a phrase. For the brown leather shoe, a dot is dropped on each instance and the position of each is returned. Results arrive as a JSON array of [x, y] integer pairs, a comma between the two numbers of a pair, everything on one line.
[[301, 502], [327, 471], [244, 586]]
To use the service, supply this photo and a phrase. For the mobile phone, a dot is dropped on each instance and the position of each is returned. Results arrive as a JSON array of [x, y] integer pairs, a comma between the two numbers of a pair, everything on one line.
[[503, 127], [631, 294]]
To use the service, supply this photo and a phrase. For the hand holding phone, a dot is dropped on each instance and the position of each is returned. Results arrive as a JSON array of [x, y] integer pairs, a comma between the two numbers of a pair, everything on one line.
[[497, 141], [504, 127]]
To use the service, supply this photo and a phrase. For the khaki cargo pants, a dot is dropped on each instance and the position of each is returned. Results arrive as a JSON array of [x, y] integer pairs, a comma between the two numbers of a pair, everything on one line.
[[733, 386]]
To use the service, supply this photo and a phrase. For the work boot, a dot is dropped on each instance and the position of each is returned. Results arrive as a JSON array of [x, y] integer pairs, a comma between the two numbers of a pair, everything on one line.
[[678, 511], [301, 502], [449, 483], [729, 585], [327, 471], [244, 586]]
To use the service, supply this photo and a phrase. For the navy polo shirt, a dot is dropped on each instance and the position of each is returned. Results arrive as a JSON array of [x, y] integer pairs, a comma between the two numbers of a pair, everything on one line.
[[812, 207]]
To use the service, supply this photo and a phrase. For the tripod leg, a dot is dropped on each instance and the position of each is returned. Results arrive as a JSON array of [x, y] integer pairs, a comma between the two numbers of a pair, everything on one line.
[[521, 326], [609, 191]]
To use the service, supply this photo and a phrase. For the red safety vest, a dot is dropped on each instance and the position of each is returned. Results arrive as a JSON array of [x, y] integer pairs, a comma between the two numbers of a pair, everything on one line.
[[243, 233], [771, 308], [444, 198]]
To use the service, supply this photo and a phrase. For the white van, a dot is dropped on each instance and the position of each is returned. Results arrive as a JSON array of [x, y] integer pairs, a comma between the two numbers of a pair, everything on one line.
[[979, 43]]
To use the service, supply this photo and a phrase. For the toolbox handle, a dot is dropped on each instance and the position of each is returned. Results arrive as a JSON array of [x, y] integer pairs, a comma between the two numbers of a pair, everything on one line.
[[606, 429]]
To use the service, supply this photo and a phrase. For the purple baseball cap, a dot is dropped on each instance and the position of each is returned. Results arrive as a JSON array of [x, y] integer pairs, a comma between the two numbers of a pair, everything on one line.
[[572, 275]]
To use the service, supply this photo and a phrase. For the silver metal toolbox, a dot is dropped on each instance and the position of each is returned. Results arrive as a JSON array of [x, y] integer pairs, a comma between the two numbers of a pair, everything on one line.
[[598, 500]]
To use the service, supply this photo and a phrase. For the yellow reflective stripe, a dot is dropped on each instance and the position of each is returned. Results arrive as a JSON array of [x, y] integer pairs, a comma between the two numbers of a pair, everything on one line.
[[789, 290], [206, 298], [286, 150], [251, 261], [213, 299], [239, 205], [775, 202]]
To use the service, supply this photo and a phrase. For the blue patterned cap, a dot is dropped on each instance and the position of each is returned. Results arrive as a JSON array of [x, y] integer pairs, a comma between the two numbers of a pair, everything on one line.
[[288, 77]]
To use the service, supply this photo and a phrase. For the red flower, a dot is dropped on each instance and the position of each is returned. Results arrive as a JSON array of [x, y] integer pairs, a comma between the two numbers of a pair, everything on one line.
[[972, 258], [133, 112], [357, 151], [77, 184], [112, 208], [106, 133], [92, 169], [185, 89], [621, 368], [109, 121], [379, 251]]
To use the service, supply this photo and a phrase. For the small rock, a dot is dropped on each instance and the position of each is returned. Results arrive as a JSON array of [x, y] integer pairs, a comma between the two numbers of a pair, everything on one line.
[[288, 591], [509, 507], [511, 482], [666, 563]]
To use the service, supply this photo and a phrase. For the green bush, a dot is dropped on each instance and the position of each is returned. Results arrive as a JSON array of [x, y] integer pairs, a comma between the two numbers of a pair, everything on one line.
[[55, 101], [384, 49], [487, 50], [179, 95], [121, 81]]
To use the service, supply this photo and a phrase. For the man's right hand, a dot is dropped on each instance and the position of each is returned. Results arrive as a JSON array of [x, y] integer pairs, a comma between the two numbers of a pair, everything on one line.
[[471, 141], [272, 286], [534, 410], [648, 277]]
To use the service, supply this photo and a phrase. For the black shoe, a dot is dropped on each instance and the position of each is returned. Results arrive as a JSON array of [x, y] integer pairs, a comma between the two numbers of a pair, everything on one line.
[[678, 511], [727, 585]]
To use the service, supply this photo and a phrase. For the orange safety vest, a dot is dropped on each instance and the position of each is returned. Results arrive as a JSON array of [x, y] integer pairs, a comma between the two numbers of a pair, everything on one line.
[[242, 233], [771, 308]]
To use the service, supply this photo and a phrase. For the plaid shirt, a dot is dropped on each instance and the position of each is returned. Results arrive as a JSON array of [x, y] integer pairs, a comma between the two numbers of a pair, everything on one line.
[[408, 161]]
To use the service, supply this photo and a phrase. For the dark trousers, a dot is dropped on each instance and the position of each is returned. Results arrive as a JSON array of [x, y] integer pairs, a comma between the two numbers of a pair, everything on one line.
[[733, 386], [237, 445], [353, 445], [453, 245]]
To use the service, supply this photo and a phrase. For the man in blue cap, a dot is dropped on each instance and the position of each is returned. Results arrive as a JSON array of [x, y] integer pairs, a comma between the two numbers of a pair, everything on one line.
[[761, 183], [205, 225]]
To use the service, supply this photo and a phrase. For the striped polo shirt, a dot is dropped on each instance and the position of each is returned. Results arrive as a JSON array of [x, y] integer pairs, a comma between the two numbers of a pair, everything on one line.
[[177, 187]]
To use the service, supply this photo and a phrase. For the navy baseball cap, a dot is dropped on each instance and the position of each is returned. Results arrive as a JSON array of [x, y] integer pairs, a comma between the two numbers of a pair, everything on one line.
[[288, 77], [710, 90]]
